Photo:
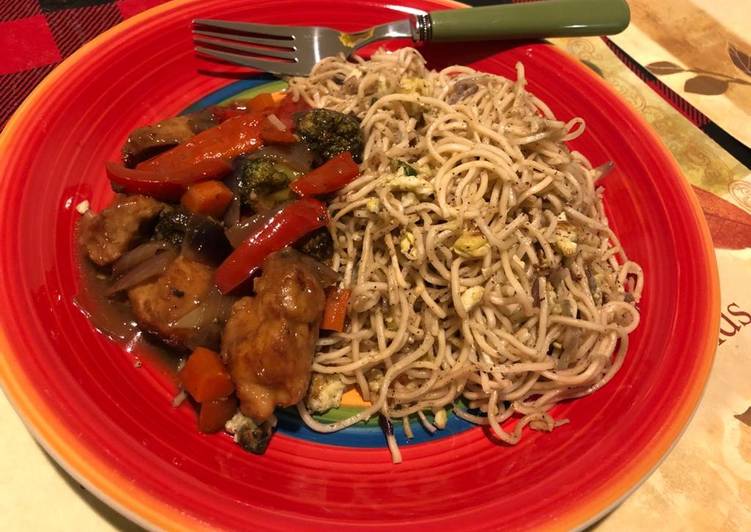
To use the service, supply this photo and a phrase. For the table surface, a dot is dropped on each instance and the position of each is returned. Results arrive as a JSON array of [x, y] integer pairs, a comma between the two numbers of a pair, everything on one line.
[[701, 109]]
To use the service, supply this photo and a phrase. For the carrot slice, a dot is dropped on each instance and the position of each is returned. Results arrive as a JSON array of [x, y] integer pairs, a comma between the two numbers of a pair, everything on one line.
[[261, 102], [204, 376], [215, 413], [335, 310], [208, 197]]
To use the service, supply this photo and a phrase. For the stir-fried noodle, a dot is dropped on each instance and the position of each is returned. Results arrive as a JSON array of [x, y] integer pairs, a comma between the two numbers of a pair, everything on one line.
[[475, 244]]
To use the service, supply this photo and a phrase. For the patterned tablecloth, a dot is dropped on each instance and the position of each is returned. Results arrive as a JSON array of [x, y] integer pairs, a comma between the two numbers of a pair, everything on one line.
[[685, 65]]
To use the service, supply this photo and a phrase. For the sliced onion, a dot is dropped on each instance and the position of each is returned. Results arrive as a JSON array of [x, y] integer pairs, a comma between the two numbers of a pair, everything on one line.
[[214, 309], [219, 306], [240, 231], [191, 320], [206, 321], [136, 256], [113, 318], [326, 276], [298, 156], [278, 124], [232, 216], [146, 270]]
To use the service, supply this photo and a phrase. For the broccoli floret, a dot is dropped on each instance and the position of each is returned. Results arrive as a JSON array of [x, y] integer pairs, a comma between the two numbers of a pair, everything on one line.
[[265, 175], [172, 226], [263, 183], [317, 244], [408, 169], [329, 133]]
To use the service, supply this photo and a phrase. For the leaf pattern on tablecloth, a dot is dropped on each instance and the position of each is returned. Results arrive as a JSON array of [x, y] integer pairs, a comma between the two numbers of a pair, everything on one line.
[[745, 417], [705, 482], [740, 59], [706, 85], [663, 68], [702, 162], [705, 82]]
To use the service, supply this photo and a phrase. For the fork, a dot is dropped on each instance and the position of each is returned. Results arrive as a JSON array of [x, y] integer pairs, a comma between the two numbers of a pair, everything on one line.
[[294, 50]]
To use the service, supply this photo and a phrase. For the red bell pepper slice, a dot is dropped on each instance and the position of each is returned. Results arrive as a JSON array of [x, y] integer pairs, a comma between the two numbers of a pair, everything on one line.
[[235, 136], [165, 187], [205, 156], [329, 177], [286, 225]]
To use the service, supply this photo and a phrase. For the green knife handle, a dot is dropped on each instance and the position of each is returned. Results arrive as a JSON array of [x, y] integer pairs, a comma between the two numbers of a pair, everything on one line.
[[547, 18]]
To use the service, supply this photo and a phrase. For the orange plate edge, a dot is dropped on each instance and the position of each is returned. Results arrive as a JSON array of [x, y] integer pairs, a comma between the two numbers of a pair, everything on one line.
[[95, 473]]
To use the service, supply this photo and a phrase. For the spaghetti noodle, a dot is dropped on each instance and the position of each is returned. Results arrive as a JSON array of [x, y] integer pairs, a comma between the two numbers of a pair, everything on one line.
[[480, 260]]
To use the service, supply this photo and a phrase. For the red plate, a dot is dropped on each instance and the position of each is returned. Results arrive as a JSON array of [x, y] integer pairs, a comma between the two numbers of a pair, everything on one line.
[[111, 424]]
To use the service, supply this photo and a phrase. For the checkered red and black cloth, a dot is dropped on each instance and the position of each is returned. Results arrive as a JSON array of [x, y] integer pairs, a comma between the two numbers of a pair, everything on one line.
[[36, 35]]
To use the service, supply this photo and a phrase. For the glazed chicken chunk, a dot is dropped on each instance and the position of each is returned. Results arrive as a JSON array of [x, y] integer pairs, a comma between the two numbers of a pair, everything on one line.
[[108, 235], [159, 304], [269, 339]]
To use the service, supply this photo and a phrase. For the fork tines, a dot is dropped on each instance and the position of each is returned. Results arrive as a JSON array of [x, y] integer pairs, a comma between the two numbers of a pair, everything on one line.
[[261, 46]]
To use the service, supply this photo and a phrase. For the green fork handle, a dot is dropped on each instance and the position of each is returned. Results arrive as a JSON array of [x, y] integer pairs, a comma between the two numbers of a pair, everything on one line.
[[548, 18]]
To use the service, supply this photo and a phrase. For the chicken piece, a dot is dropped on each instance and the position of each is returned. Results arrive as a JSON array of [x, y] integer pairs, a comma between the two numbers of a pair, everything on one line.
[[270, 338], [159, 304], [108, 235]]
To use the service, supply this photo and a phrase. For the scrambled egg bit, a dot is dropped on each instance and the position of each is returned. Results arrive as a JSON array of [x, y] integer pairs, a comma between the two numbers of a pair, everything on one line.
[[325, 392], [373, 205], [407, 245], [375, 380], [472, 297], [411, 183], [409, 85], [471, 245], [566, 239]]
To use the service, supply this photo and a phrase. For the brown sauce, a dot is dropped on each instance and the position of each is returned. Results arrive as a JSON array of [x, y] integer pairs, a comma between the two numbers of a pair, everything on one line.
[[113, 317]]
